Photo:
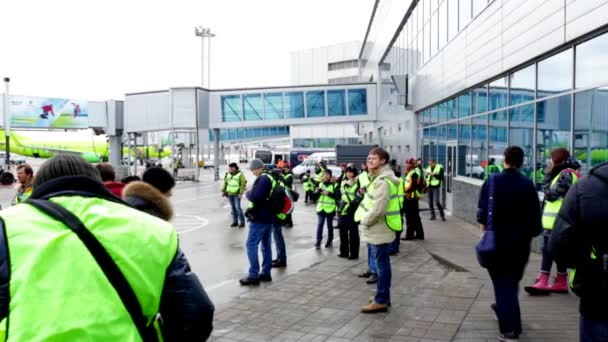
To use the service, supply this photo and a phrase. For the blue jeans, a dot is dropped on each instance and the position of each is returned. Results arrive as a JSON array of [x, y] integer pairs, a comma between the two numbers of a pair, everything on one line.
[[383, 265], [593, 330], [396, 243], [237, 212], [371, 259], [330, 227], [547, 262], [506, 288], [259, 233], [277, 233]]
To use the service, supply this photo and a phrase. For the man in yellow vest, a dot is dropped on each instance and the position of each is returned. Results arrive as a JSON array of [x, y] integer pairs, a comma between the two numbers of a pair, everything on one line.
[[234, 188], [349, 229], [413, 193], [327, 205], [106, 271], [434, 180], [309, 187], [380, 217], [25, 175]]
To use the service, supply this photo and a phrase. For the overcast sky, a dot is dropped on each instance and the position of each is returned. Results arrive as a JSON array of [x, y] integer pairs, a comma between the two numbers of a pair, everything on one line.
[[98, 50]]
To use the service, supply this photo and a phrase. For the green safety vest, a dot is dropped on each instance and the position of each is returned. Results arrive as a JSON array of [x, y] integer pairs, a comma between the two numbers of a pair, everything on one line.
[[274, 183], [491, 169], [592, 256], [308, 184], [431, 181], [540, 176], [392, 218], [552, 207], [286, 177], [349, 193], [401, 191], [233, 183], [319, 175], [363, 179], [57, 290], [326, 204], [417, 193], [22, 196]]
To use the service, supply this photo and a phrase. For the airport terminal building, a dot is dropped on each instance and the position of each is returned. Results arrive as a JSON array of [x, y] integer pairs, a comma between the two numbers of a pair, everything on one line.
[[460, 80]]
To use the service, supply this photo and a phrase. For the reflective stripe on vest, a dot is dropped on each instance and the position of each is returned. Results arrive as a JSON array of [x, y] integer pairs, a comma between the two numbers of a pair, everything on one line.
[[233, 183], [47, 259], [552, 207], [416, 193], [392, 217], [326, 203], [431, 181], [349, 192]]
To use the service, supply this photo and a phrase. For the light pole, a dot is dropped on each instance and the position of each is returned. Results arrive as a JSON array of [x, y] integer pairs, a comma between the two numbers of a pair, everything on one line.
[[7, 121], [205, 32]]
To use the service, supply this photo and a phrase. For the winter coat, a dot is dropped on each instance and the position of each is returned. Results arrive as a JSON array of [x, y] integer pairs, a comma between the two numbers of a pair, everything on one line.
[[258, 195], [560, 188], [143, 196], [579, 228], [115, 187], [375, 230], [517, 217]]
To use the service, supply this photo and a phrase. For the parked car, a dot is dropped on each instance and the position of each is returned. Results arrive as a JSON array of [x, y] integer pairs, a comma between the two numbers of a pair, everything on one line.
[[313, 160]]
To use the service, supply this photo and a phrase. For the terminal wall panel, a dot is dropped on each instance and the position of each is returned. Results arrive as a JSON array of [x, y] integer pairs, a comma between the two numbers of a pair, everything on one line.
[[98, 115], [115, 117], [585, 15], [184, 108], [202, 98], [148, 112], [324, 131]]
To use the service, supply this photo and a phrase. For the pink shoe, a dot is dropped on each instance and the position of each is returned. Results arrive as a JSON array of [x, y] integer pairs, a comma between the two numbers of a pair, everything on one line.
[[541, 287], [560, 284]]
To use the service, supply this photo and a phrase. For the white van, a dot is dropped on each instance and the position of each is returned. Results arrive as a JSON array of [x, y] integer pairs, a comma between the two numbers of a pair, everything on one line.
[[311, 162]]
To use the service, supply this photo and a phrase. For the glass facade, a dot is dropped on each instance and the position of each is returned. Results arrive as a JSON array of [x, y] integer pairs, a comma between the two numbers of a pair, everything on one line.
[[322, 142], [294, 105], [536, 107], [251, 133]]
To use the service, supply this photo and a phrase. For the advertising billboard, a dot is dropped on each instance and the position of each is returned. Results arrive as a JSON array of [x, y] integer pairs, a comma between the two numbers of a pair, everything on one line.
[[44, 112]]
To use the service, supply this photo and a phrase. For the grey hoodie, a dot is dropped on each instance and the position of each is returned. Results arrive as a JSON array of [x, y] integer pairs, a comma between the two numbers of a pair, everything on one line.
[[375, 230]]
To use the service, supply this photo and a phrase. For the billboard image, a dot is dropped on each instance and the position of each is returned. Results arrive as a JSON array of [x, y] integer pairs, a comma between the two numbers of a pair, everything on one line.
[[43, 112]]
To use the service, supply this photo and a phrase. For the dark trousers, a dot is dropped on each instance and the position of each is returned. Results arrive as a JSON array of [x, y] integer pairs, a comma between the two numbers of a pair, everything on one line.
[[506, 288], [288, 220], [592, 330], [330, 227], [412, 219], [435, 198], [547, 261], [349, 236], [308, 196]]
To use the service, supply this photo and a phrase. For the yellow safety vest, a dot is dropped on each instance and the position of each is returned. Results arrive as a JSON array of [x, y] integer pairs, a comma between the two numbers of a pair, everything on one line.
[[308, 184], [552, 207], [349, 193], [432, 181], [326, 204], [233, 183], [319, 175], [363, 179], [392, 218], [413, 194]]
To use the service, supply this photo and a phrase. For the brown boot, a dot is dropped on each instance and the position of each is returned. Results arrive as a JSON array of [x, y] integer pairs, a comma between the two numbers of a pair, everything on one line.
[[372, 298], [374, 307]]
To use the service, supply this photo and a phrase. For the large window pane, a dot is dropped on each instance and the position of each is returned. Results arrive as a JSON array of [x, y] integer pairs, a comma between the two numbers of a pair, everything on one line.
[[553, 122], [591, 127], [464, 148], [480, 100], [336, 102], [441, 139], [591, 62], [464, 105], [521, 133], [434, 115], [452, 18], [451, 108], [294, 105], [479, 148], [273, 106], [498, 93], [523, 84], [452, 132], [357, 101], [465, 13], [442, 112], [315, 104], [231, 108], [252, 107], [555, 74], [434, 34], [426, 144], [497, 137]]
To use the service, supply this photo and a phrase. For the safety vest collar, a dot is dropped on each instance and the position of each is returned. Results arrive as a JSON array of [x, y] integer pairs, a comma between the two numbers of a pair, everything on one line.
[[74, 186]]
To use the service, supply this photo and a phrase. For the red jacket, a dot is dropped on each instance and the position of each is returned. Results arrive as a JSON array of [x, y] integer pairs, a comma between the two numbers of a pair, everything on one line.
[[115, 187]]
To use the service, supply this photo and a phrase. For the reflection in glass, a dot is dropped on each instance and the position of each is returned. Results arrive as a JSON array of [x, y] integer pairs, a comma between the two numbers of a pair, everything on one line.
[[426, 144], [357, 101], [315, 104], [452, 18], [252, 107], [464, 105], [497, 137], [591, 128], [464, 147], [480, 100], [498, 93], [553, 122], [231, 108], [479, 148], [555, 74], [273, 106], [523, 84], [451, 108], [442, 112], [294, 105], [441, 138], [336, 102], [591, 62], [521, 133]]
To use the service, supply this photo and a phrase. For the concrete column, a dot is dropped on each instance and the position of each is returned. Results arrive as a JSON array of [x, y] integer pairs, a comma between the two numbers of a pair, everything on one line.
[[115, 151], [216, 154]]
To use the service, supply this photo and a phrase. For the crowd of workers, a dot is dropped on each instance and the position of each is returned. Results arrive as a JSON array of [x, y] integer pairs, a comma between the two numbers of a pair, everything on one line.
[[84, 225]]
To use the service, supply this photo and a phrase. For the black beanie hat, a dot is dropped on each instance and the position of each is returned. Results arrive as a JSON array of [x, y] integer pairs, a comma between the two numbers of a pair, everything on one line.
[[64, 165], [159, 178]]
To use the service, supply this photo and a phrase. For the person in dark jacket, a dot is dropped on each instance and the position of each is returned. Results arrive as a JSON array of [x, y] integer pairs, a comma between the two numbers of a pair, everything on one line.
[[580, 241], [151, 195], [560, 176], [516, 220], [287, 179], [160, 179], [186, 310], [261, 220]]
